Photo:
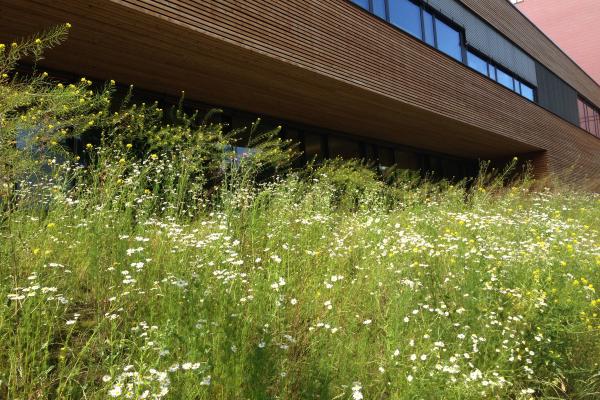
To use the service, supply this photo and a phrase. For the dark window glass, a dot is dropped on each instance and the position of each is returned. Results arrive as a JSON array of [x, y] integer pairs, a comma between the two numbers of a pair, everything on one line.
[[386, 156], [477, 63], [379, 8], [505, 80], [406, 15], [406, 160], [344, 148], [370, 152], [363, 3], [527, 92], [313, 146], [448, 40], [428, 25]]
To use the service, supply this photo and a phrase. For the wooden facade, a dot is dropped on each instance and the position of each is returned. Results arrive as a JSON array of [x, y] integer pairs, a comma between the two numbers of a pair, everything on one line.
[[326, 63]]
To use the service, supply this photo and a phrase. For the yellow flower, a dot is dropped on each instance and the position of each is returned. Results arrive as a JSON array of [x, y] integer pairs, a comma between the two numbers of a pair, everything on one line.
[[13, 45], [2, 46], [60, 86], [51, 225], [44, 74], [38, 41], [68, 25], [122, 161], [147, 191], [154, 156], [88, 146], [112, 82], [36, 251], [4, 76], [120, 181], [129, 145]]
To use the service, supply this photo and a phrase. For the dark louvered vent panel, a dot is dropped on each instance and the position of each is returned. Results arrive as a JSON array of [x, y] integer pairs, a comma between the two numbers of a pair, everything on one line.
[[555, 95]]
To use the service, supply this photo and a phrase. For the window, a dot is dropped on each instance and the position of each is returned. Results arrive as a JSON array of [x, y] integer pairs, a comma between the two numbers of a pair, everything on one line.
[[380, 9], [477, 63], [426, 24], [362, 3], [505, 79], [492, 72], [527, 92], [429, 32], [406, 15], [589, 117], [448, 40]]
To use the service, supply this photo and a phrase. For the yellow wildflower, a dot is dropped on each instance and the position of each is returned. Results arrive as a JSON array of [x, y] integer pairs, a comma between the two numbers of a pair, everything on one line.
[[68, 25], [129, 146], [38, 41], [51, 225]]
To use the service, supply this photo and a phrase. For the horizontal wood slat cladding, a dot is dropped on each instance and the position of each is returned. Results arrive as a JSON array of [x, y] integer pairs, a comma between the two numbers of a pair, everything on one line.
[[514, 25], [324, 63]]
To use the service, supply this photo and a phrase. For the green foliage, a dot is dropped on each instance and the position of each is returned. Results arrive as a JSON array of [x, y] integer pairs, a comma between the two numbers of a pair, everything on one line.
[[167, 267]]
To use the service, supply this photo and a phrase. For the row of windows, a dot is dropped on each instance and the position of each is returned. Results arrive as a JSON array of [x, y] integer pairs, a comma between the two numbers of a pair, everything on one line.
[[428, 27], [504, 78], [589, 117], [324, 145]]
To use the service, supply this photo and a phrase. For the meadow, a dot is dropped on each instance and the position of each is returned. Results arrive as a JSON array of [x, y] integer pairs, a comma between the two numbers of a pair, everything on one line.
[[159, 264]]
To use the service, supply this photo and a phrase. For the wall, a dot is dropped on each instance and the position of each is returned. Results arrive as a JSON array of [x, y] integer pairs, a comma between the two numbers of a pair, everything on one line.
[[572, 25]]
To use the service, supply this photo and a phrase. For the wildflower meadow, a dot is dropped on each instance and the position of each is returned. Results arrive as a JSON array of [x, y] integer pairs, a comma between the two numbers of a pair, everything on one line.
[[157, 264]]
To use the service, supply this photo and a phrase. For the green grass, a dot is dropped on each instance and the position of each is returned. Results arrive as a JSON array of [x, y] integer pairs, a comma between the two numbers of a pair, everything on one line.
[[321, 287]]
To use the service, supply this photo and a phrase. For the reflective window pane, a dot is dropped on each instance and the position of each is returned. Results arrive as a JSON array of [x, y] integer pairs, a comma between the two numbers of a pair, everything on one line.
[[429, 32], [406, 15], [477, 63], [363, 3], [492, 71], [582, 117], [505, 80], [527, 92], [448, 40], [379, 8]]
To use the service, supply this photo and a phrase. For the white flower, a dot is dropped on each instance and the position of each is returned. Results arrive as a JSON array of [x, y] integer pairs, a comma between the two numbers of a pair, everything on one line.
[[115, 391], [413, 357], [409, 378], [106, 378], [356, 391], [367, 322], [186, 366], [206, 381], [293, 302]]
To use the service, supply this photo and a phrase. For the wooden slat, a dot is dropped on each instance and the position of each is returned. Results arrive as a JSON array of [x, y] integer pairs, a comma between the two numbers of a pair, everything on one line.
[[324, 63]]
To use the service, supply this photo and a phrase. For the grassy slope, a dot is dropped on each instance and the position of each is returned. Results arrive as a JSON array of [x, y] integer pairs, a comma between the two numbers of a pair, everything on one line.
[[288, 292]]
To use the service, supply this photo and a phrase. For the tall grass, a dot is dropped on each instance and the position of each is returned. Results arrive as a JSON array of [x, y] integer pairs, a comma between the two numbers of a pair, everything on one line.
[[165, 267]]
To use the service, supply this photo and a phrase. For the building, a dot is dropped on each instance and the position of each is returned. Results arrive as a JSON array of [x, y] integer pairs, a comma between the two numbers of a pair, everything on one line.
[[578, 35], [434, 85]]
